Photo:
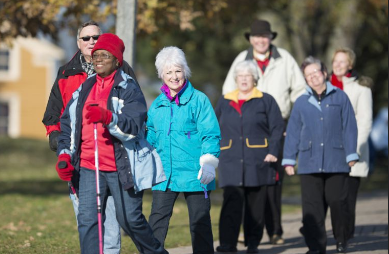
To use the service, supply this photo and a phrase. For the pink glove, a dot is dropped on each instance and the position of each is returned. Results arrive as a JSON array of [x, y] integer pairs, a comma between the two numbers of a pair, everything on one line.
[[97, 114], [64, 167]]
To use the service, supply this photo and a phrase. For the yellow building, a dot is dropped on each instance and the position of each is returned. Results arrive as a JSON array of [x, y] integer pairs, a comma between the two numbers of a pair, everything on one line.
[[27, 72]]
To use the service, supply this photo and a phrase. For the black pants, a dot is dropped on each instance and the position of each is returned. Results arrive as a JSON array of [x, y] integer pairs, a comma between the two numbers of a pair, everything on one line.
[[199, 217], [273, 208], [274, 199], [251, 201], [319, 191], [354, 183]]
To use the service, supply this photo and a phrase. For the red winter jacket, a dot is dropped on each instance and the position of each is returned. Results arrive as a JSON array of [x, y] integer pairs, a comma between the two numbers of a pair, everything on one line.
[[69, 78]]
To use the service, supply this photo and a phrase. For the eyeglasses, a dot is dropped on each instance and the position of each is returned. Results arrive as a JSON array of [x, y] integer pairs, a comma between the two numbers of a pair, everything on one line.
[[244, 76], [87, 38], [101, 56], [313, 74]]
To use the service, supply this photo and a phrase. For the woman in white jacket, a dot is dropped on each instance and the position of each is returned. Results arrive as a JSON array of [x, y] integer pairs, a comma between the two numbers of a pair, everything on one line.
[[360, 96]]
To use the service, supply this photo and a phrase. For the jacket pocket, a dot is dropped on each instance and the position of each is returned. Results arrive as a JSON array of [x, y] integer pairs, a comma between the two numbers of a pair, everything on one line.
[[337, 143], [258, 144], [306, 148], [227, 146], [142, 150]]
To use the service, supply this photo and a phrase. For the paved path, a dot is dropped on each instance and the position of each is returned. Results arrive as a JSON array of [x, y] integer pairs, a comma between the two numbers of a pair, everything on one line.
[[371, 236]]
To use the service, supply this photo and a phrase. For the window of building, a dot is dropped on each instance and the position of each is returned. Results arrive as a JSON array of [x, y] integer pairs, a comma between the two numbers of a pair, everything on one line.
[[4, 60], [4, 118]]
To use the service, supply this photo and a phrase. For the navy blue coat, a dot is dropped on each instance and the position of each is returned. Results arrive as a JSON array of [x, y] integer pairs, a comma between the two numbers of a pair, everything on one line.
[[323, 135], [247, 138]]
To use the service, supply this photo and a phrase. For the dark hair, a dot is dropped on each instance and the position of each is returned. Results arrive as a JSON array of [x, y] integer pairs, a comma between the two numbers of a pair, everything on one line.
[[312, 60], [89, 23]]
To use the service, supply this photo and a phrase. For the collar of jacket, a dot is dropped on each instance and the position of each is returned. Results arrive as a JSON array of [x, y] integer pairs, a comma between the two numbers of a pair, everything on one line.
[[74, 66], [184, 98], [330, 89], [274, 53], [233, 96]]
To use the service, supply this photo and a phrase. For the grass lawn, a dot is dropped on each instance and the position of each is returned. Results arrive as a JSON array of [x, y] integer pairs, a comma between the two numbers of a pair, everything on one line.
[[38, 216]]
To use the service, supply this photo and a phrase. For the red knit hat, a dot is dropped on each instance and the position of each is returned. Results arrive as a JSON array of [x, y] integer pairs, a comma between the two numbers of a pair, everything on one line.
[[112, 43]]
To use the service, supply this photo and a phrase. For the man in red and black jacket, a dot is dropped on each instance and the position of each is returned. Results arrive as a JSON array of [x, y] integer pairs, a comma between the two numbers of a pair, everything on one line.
[[70, 77]]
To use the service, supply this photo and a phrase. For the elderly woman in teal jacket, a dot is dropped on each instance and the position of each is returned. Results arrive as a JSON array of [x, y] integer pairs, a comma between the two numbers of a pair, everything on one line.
[[183, 128]]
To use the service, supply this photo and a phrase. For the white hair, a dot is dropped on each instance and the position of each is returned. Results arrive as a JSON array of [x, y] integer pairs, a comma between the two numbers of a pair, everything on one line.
[[171, 56], [247, 65]]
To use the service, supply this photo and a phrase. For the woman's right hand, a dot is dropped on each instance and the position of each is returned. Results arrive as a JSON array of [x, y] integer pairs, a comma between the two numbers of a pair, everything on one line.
[[289, 170]]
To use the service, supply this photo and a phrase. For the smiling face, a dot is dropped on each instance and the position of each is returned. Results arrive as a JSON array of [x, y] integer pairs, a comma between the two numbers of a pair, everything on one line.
[[87, 46], [174, 78], [245, 81], [104, 63], [341, 65], [315, 77], [261, 43]]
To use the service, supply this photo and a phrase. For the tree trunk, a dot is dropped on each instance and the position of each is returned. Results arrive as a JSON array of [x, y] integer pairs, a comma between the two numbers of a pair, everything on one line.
[[126, 27]]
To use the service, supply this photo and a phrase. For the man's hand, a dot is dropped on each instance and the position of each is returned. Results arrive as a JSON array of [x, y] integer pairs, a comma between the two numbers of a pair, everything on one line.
[[64, 167], [53, 140], [207, 174], [97, 114]]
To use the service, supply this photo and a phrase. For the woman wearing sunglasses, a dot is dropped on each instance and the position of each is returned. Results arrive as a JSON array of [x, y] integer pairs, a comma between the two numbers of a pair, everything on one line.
[[127, 163]]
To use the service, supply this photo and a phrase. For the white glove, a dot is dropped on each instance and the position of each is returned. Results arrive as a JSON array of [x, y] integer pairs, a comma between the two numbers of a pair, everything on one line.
[[207, 174]]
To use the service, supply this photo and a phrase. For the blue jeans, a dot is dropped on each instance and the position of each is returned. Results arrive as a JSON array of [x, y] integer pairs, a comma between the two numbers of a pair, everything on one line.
[[112, 236], [199, 216], [128, 205]]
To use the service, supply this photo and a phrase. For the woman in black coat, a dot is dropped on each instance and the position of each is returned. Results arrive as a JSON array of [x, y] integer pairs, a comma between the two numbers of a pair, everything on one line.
[[251, 127]]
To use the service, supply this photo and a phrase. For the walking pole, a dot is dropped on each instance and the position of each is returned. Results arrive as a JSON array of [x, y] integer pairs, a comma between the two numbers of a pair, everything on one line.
[[62, 165], [98, 190]]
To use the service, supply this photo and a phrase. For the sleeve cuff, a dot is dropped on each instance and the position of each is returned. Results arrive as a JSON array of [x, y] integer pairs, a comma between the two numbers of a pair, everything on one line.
[[288, 162], [114, 121], [209, 159], [352, 157]]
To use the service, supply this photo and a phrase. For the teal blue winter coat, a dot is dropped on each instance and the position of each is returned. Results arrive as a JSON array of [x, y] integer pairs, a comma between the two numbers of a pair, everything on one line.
[[181, 135]]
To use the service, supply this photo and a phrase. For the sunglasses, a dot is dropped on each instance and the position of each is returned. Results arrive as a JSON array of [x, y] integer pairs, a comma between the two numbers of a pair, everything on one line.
[[87, 38]]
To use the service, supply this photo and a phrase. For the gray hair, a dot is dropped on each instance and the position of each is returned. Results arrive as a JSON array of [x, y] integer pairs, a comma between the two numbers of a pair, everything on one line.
[[247, 65], [312, 60], [89, 23], [171, 56]]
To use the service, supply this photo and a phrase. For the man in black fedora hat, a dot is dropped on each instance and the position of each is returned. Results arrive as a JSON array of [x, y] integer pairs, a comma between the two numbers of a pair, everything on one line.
[[281, 77]]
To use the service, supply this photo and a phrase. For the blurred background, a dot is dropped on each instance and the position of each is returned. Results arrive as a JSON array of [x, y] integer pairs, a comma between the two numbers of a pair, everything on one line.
[[38, 36]]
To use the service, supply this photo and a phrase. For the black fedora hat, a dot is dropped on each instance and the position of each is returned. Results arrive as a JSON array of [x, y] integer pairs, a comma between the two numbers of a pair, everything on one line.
[[259, 27]]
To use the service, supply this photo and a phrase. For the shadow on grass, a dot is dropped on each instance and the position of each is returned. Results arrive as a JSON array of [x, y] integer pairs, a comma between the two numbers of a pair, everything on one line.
[[33, 187]]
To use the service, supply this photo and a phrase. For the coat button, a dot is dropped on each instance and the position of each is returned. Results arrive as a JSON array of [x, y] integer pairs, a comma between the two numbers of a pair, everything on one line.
[[322, 144], [241, 161], [322, 118], [328, 106], [240, 138]]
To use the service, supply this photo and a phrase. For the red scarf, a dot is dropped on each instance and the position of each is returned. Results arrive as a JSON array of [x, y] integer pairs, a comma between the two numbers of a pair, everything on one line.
[[338, 83]]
